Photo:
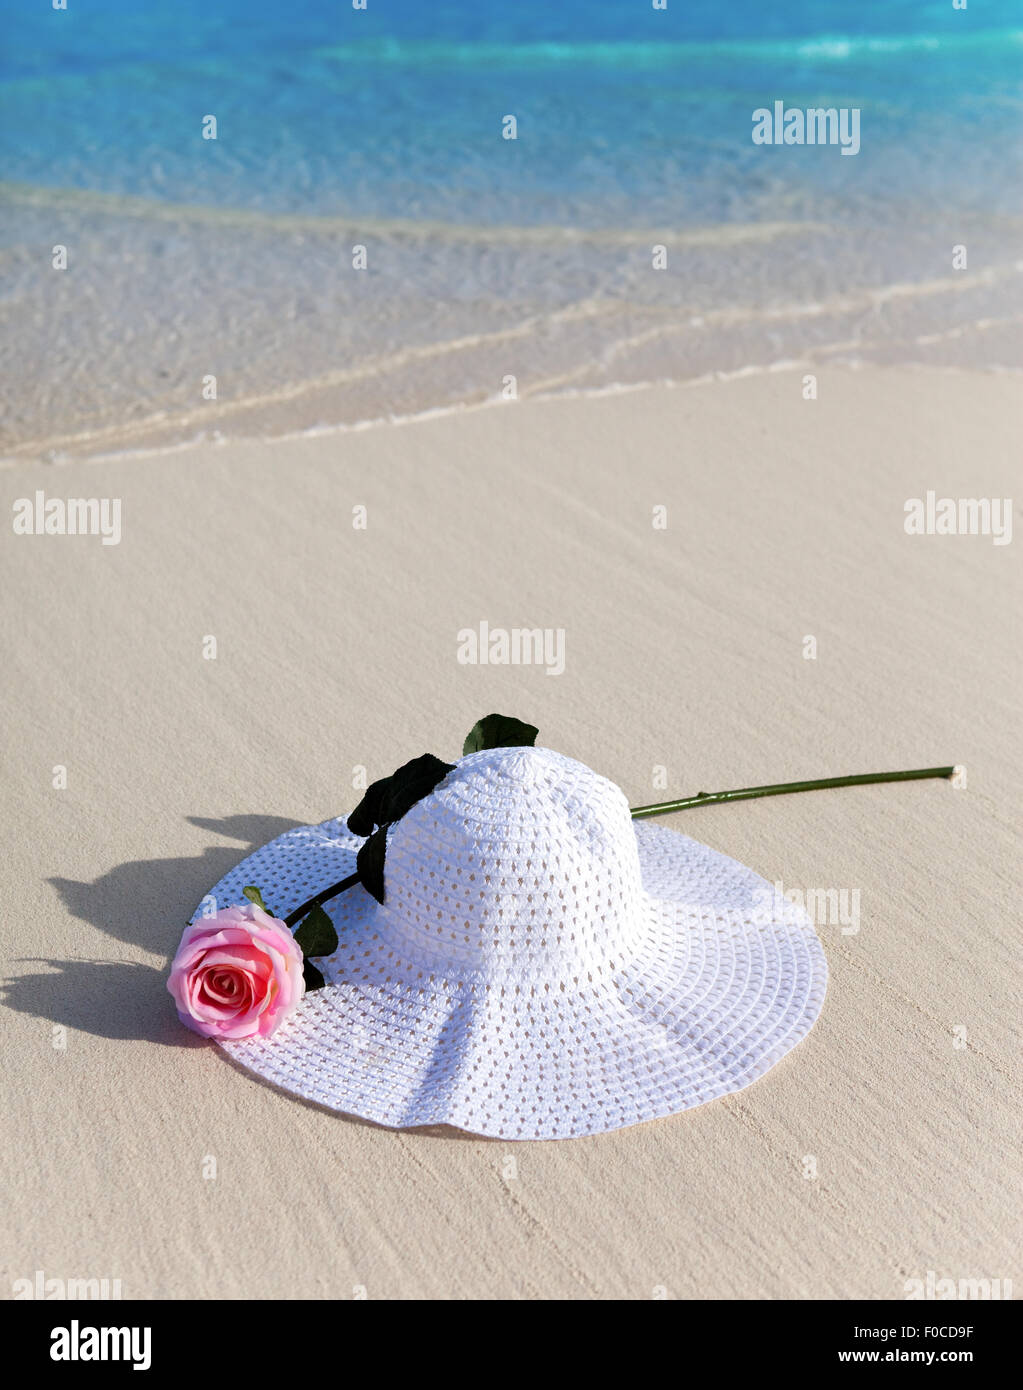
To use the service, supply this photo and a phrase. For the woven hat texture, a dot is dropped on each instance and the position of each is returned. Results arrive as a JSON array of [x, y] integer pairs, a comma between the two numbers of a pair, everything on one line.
[[542, 966]]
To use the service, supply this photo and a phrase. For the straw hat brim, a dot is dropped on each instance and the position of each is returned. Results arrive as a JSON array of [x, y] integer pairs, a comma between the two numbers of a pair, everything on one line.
[[718, 994]]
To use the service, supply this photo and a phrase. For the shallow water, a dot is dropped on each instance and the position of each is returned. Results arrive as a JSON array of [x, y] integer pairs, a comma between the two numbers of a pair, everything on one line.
[[487, 257]]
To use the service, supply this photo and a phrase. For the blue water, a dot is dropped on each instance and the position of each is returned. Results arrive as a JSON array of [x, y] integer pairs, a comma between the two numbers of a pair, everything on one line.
[[626, 115], [488, 256]]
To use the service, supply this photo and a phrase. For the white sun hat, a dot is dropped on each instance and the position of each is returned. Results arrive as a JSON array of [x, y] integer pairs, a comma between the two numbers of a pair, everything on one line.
[[541, 967]]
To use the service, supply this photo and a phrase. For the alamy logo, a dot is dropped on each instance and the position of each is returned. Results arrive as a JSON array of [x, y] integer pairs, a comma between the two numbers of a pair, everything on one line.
[[76, 1343], [517, 646], [817, 125], [962, 1289], [71, 1289], [74, 516], [826, 907], [959, 516]]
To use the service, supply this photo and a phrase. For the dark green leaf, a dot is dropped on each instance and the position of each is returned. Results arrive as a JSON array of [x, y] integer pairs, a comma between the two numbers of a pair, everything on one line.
[[255, 896], [410, 784], [388, 799], [316, 935], [367, 814], [499, 731], [370, 863], [313, 977]]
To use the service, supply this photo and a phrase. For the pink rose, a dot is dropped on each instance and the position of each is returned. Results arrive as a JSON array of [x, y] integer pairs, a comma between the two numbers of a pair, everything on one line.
[[237, 974]]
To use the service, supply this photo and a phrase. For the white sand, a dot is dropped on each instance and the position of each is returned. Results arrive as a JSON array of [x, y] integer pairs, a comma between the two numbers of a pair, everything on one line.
[[336, 647]]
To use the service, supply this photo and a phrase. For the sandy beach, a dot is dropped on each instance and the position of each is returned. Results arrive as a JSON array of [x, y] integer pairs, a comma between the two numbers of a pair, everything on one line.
[[884, 1147]]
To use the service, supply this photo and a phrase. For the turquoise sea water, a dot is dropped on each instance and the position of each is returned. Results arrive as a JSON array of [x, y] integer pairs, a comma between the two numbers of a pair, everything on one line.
[[336, 125], [625, 113]]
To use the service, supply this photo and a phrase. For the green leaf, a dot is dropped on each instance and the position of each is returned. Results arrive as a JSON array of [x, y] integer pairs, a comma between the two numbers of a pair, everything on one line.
[[255, 896], [410, 784], [499, 731], [313, 977], [370, 863], [388, 799], [367, 814], [316, 934]]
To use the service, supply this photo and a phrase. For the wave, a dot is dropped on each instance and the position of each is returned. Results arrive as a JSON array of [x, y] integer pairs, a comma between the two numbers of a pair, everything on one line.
[[846, 354], [212, 422], [88, 200], [627, 53]]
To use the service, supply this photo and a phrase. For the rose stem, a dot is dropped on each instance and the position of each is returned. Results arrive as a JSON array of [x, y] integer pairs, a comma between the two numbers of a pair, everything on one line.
[[663, 808], [293, 918], [780, 788]]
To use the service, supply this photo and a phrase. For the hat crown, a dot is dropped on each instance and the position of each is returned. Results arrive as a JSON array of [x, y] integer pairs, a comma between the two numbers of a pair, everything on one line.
[[520, 857]]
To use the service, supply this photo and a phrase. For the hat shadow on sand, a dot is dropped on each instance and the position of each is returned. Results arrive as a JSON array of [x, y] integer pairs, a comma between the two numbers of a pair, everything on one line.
[[109, 999], [146, 902]]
